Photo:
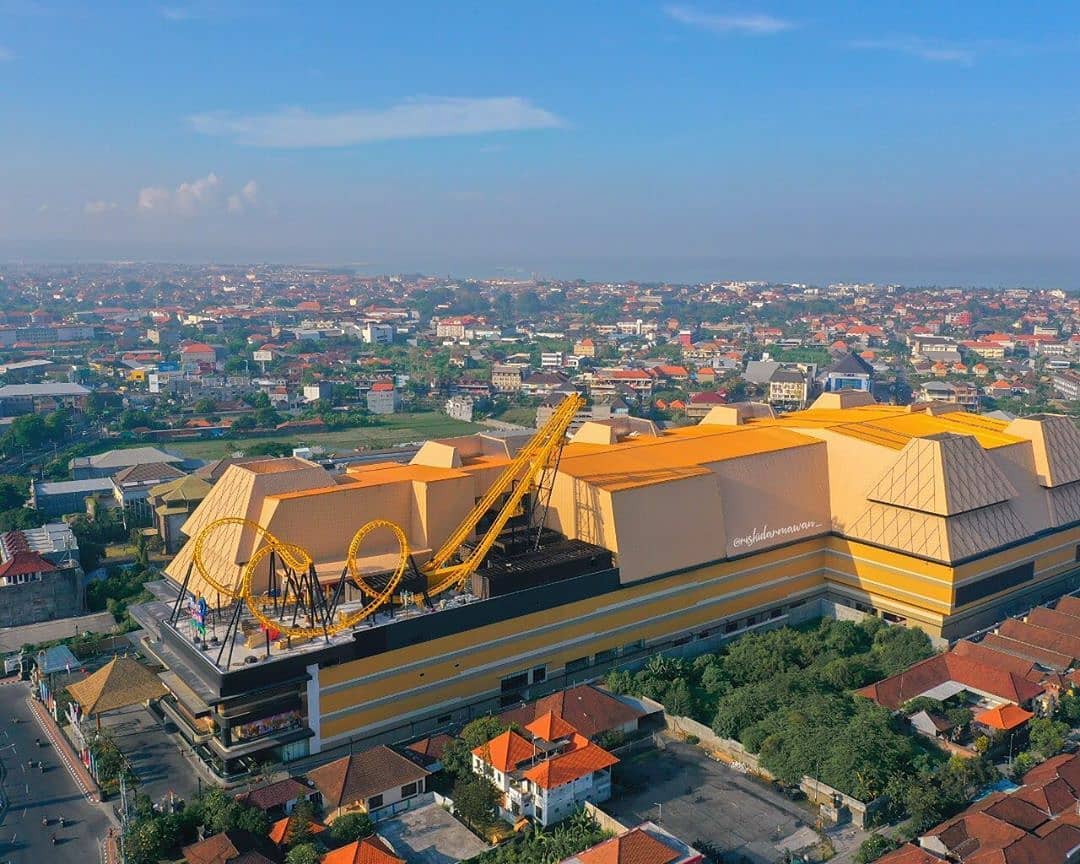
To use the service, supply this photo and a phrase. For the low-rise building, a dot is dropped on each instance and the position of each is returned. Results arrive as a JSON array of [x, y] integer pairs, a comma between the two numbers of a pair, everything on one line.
[[507, 377], [379, 782], [547, 775], [171, 503], [382, 398], [131, 490], [62, 497], [40, 575], [18, 399], [108, 463], [460, 407]]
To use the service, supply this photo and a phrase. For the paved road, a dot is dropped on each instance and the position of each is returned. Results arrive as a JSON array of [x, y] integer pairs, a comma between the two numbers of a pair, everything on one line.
[[154, 755], [29, 795], [13, 638]]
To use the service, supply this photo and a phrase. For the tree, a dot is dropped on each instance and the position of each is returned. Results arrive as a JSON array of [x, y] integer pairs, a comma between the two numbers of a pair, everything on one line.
[[13, 492], [244, 423], [29, 430], [302, 817], [457, 758], [305, 853], [873, 847], [1047, 736], [475, 799], [21, 517], [352, 826]]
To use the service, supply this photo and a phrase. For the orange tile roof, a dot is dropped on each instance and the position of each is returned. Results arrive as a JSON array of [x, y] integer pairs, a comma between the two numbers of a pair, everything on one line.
[[1004, 717], [506, 751], [633, 847], [279, 831], [570, 766], [550, 727], [370, 850]]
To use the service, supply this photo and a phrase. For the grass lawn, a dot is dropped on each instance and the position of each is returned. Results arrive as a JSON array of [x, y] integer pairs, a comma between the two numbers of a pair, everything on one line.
[[521, 415], [392, 429]]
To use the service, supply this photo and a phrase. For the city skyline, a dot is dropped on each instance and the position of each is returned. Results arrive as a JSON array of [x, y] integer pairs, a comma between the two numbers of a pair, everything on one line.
[[647, 141]]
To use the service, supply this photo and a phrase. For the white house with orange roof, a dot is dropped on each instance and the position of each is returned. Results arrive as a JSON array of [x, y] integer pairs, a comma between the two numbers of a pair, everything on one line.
[[546, 772]]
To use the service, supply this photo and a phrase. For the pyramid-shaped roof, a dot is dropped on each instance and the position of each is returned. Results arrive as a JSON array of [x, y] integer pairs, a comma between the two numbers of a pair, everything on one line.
[[1055, 442], [942, 474], [186, 488], [550, 727], [119, 683]]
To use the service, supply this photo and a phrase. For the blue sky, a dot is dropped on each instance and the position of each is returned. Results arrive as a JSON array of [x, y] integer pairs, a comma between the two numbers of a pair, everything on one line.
[[922, 142]]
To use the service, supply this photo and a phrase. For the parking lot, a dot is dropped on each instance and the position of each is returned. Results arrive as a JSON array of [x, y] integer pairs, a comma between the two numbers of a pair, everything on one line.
[[698, 798]]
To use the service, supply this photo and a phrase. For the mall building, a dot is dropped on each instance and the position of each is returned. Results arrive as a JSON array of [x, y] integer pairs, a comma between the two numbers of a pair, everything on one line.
[[670, 540]]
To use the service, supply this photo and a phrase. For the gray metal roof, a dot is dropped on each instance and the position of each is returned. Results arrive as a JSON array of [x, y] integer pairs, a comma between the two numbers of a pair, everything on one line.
[[48, 388]]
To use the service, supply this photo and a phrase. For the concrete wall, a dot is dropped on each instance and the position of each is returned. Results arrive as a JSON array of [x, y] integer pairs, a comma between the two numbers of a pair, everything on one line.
[[58, 595]]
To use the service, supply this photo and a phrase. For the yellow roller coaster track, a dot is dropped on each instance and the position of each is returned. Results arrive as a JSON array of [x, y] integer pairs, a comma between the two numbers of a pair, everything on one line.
[[442, 571]]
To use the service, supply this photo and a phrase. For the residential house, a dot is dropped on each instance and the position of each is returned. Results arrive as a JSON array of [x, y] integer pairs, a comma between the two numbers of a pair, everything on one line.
[[279, 798], [231, 847], [171, 503], [585, 348], [789, 388], [647, 843], [369, 850], [849, 372], [131, 490], [379, 782], [108, 463], [460, 407], [591, 710], [1066, 384], [547, 775], [702, 403], [194, 353], [382, 398], [40, 575], [543, 383], [508, 377]]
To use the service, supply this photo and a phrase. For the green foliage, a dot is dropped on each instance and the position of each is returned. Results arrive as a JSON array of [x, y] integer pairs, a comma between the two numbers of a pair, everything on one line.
[[475, 800], [931, 795], [305, 853], [786, 695], [13, 492], [1024, 762], [569, 837], [95, 534], [269, 448], [121, 585], [300, 831], [457, 757], [21, 517], [922, 703], [352, 826], [873, 847], [1047, 736], [222, 812]]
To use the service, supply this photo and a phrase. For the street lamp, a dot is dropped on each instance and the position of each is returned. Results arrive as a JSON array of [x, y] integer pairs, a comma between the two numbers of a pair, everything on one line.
[[660, 817]]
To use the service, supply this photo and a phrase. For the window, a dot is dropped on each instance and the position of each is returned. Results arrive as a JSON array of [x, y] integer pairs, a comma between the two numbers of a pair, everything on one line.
[[1077, 558], [605, 656], [408, 790], [576, 665], [731, 626], [515, 682], [442, 719], [374, 802], [993, 584], [775, 613], [632, 647], [751, 621], [539, 674], [539, 814]]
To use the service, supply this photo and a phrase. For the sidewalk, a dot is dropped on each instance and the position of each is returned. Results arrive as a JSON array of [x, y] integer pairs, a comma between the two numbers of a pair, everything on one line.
[[65, 751]]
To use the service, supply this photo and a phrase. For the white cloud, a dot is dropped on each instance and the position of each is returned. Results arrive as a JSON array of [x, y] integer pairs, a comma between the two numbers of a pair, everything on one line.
[[98, 208], [427, 118], [6, 54], [924, 49], [197, 194], [203, 194], [246, 197], [754, 24]]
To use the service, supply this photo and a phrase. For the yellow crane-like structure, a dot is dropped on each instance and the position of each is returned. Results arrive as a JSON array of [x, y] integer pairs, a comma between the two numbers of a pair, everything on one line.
[[452, 565]]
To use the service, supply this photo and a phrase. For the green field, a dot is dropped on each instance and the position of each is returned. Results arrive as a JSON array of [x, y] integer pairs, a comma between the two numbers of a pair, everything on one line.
[[392, 429]]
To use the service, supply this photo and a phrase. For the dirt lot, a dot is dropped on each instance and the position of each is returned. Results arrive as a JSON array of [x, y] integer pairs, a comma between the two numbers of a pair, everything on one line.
[[697, 798]]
